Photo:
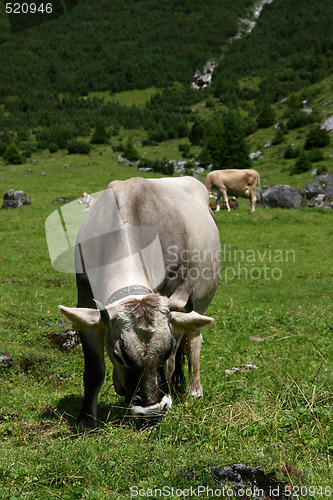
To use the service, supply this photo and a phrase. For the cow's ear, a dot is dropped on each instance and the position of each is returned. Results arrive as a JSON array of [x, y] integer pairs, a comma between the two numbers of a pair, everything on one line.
[[82, 318], [190, 322]]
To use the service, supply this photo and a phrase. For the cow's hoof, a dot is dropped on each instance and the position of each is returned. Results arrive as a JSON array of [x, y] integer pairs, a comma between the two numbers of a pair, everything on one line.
[[85, 424], [196, 391]]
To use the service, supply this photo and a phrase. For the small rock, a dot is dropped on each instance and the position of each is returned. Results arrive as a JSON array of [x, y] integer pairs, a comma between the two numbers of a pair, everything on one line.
[[14, 199], [240, 477], [5, 360], [66, 341], [241, 369]]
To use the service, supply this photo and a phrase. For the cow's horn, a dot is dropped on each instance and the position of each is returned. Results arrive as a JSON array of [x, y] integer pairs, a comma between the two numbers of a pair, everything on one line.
[[181, 306], [106, 315]]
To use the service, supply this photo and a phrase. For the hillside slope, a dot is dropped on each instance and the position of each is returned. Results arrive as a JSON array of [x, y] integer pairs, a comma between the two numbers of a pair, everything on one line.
[[291, 47], [118, 45]]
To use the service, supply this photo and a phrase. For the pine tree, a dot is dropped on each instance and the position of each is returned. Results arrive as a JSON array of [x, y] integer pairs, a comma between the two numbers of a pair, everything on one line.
[[266, 117], [12, 155], [226, 145]]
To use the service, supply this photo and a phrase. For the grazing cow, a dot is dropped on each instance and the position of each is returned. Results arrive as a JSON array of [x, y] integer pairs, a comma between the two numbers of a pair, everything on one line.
[[234, 183], [148, 256]]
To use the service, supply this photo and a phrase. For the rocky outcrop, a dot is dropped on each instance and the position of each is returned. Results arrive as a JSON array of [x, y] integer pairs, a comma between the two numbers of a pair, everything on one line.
[[322, 184], [328, 124], [202, 79], [248, 23], [322, 201], [282, 196]]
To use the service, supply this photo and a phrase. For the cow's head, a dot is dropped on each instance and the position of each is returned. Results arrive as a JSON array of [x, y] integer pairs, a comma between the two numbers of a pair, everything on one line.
[[139, 342]]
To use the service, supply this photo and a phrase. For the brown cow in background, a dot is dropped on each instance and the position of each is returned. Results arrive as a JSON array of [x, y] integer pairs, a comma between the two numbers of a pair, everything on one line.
[[233, 182]]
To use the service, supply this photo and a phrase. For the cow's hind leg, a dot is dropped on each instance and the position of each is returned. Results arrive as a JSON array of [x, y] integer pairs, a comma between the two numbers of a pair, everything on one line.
[[93, 377], [253, 201]]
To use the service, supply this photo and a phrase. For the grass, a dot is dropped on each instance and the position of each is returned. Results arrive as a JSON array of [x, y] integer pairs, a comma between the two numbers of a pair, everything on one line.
[[272, 308]]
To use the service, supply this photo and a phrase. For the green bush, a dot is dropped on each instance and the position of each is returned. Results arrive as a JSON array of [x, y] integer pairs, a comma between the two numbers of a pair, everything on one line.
[[278, 137], [130, 153], [56, 134], [3, 147], [315, 155], [299, 119], [266, 117], [12, 155], [198, 132], [78, 147], [291, 152], [100, 135], [303, 164], [185, 149], [317, 138], [53, 147]]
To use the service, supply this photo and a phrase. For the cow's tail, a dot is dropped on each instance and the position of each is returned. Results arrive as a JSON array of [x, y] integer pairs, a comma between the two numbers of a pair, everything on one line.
[[261, 195], [209, 184]]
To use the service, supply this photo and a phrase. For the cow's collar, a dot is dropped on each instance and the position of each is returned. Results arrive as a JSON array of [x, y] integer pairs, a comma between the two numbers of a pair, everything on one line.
[[126, 291]]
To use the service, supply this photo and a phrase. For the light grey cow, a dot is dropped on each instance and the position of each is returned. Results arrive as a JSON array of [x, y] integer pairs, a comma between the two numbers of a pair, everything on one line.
[[147, 264]]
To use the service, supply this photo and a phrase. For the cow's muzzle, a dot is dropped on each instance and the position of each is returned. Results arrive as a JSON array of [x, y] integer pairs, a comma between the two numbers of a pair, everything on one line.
[[155, 410]]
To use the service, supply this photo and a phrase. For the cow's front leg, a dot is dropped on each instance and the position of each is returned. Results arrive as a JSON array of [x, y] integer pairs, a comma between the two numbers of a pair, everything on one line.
[[225, 198], [93, 377], [194, 344]]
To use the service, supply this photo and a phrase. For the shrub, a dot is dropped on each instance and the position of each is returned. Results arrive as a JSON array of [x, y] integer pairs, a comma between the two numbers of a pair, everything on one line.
[[317, 138], [303, 164], [315, 155], [12, 155], [130, 153], [198, 132], [266, 117], [157, 134], [278, 137], [185, 150], [23, 135], [299, 119], [53, 147], [3, 147], [291, 152], [100, 135], [78, 147], [56, 134]]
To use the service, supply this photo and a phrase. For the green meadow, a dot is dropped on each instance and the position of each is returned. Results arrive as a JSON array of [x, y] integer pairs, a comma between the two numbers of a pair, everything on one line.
[[273, 309]]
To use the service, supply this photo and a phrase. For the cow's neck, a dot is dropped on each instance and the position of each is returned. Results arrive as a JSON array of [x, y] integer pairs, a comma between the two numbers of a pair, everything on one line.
[[126, 291]]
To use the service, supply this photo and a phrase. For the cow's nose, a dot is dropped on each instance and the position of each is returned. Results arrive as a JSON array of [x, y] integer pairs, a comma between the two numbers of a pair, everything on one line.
[[164, 407]]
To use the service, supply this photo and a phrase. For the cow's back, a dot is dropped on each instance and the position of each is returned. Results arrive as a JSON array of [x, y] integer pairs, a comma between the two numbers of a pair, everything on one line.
[[178, 210]]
